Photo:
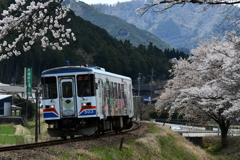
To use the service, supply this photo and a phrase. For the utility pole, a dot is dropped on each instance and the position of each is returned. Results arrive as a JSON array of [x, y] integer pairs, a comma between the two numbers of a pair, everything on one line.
[[139, 81], [36, 116], [151, 80]]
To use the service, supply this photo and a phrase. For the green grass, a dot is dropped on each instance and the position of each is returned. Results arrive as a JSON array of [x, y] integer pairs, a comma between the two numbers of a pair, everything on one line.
[[11, 140], [152, 128], [157, 145], [168, 145], [6, 130], [112, 153], [7, 136], [212, 145], [82, 156], [65, 155]]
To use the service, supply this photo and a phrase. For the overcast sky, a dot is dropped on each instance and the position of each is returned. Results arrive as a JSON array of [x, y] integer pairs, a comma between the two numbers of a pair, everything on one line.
[[103, 1]]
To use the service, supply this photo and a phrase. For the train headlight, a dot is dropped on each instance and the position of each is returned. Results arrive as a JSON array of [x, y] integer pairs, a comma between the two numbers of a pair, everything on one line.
[[86, 104], [50, 106]]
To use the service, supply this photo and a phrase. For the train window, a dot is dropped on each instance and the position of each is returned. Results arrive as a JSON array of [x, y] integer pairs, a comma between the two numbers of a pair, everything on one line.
[[119, 91], [85, 85], [67, 89], [130, 89], [107, 90], [100, 88], [111, 90], [115, 90], [49, 87], [122, 91]]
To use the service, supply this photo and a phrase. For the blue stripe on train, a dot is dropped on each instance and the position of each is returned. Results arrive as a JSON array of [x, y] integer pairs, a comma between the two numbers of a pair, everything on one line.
[[88, 112], [66, 70], [50, 115]]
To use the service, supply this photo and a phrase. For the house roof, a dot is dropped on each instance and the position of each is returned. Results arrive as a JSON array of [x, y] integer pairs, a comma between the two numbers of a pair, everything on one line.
[[2, 84], [11, 89], [4, 96]]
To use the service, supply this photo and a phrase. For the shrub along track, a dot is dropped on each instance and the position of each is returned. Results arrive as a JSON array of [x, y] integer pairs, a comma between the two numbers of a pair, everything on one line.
[[136, 126]]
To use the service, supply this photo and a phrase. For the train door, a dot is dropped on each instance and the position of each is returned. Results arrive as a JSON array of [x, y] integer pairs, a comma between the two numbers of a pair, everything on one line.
[[67, 100], [100, 97]]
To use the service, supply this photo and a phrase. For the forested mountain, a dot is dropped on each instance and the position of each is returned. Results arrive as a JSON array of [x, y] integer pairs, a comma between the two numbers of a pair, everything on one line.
[[94, 46], [180, 26], [115, 26]]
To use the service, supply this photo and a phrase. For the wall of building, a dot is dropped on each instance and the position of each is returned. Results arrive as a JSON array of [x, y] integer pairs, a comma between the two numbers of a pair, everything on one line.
[[7, 99]]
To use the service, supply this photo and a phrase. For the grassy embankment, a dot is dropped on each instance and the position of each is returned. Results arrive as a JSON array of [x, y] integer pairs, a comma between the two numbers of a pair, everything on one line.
[[159, 143], [17, 134]]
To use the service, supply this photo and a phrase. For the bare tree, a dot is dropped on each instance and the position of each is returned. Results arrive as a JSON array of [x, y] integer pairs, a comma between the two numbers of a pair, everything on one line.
[[231, 19], [142, 109], [156, 5]]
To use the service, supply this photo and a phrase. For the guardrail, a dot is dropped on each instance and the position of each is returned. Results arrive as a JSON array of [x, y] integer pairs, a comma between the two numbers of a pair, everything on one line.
[[181, 128]]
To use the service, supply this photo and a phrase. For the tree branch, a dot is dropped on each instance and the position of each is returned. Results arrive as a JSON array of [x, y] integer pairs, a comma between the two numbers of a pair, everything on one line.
[[171, 3]]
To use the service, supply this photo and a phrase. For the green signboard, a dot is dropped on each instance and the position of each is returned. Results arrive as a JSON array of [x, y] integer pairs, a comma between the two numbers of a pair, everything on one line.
[[29, 81]]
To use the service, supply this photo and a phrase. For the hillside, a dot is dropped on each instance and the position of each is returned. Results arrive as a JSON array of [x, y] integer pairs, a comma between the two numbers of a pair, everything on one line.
[[179, 26], [115, 26], [94, 46]]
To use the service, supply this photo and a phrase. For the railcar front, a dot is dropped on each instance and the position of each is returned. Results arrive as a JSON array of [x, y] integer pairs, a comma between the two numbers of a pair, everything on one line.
[[69, 101], [81, 100]]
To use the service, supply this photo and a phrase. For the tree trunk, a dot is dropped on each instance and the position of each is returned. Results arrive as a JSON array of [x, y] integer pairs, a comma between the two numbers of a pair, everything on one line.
[[224, 126], [224, 133], [140, 115]]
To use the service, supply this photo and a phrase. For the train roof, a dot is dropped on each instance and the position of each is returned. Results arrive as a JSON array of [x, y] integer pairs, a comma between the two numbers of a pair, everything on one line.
[[75, 69]]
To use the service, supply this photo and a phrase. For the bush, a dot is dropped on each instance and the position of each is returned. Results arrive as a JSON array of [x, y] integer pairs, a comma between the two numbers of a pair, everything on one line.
[[153, 114], [27, 107], [212, 144]]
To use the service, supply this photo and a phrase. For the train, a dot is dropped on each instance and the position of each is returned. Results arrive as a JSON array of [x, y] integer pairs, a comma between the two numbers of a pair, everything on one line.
[[85, 100]]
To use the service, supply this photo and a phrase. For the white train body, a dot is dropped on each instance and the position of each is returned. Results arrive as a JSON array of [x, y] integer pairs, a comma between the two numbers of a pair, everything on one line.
[[80, 100]]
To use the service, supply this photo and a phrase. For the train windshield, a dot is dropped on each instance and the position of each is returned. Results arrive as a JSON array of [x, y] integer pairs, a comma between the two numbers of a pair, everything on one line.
[[85, 85], [49, 87], [67, 89]]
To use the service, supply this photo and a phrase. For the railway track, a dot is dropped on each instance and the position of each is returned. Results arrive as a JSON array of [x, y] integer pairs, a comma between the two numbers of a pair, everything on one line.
[[136, 125]]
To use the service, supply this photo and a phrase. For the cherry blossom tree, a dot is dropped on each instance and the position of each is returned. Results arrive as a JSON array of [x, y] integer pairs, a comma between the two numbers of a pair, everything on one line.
[[207, 85], [31, 21]]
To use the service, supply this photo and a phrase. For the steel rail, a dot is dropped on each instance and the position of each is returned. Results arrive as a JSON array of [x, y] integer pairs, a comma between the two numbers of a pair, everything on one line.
[[57, 142]]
